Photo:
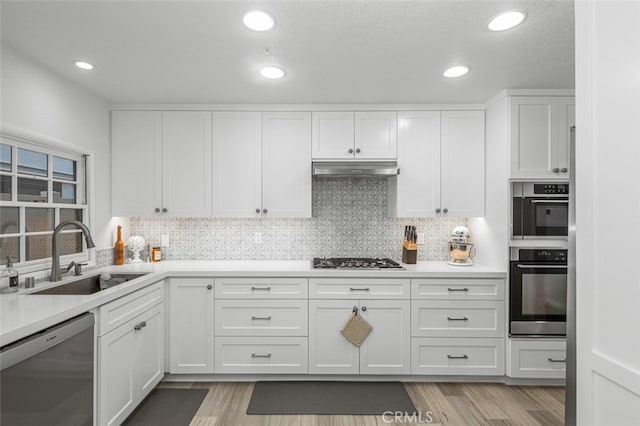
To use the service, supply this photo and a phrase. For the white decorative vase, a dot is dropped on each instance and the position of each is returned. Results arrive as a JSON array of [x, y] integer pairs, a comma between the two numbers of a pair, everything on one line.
[[136, 245]]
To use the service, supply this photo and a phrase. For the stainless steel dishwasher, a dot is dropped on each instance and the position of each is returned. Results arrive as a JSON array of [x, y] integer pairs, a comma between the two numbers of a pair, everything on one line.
[[47, 378]]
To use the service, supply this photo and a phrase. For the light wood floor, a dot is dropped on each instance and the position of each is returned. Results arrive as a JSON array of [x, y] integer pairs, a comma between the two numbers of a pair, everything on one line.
[[449, 403]]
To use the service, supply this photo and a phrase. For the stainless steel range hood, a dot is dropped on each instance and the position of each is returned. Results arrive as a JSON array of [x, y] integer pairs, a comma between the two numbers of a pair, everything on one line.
[[355, 169]]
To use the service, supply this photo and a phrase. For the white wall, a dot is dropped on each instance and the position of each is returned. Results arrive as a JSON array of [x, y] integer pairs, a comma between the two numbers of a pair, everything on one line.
[[608, 202], [38, 100]]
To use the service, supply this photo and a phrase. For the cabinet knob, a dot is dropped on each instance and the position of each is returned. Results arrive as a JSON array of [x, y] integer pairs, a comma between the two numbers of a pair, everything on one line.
[[438, 210], [257, 210], [157, 210], [364, 308], [164, 210], [264, 210], [350, 150], [357, 150], [555, 170], [209, 286], [564, 170], [445, 210]]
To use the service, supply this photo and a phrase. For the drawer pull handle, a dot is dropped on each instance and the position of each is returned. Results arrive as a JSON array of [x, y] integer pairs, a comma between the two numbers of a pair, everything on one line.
[[458, 319], [557, 360], [262, 318], [359, 289], [255, 355], [457, 357], [140, 325], [458, 289], [261, 288]]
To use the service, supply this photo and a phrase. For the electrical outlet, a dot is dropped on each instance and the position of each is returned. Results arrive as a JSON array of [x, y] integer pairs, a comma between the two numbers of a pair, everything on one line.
[[257, 238], [165, 240], [420, 238]]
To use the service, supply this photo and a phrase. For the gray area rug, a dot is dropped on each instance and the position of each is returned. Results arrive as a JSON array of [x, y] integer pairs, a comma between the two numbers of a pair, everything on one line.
[[350, 398], [167, 407]]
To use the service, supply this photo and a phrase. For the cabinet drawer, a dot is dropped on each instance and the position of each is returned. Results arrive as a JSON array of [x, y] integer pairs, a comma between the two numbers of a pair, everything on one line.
[[120, 311], [457, 356], [261, 288], [457, 319], [545, 359], [261, 318], [358, 288], [458, 289], [261, 355]]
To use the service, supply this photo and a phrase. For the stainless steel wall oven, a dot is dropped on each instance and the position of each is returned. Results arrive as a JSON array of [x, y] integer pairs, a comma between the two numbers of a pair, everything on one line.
[[540, 210], [538, 292]]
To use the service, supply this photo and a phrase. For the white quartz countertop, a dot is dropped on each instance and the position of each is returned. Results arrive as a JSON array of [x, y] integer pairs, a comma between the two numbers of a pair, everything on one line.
[[22, 314]]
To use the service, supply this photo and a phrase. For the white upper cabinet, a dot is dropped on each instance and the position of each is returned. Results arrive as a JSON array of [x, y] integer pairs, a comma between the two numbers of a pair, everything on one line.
[[539, 131], [262, 164], [237, 164], [365, 135], [136, 162], [376, 135], [286, 164], [462, 163], [161, 163], [186, 163], [441, 161]]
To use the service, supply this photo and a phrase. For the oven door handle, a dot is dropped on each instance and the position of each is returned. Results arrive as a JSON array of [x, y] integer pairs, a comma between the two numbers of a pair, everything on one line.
[[521, 266], [549, 201]]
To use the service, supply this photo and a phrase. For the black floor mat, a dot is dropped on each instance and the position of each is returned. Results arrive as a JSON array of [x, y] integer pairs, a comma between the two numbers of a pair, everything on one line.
[[167, 407]]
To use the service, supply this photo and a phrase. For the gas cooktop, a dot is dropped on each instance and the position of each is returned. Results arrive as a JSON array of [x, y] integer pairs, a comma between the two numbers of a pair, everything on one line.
[[355, 263]]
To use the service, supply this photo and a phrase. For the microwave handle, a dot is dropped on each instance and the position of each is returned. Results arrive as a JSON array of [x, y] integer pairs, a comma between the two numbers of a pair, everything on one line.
[[549, 202], [521, 266]]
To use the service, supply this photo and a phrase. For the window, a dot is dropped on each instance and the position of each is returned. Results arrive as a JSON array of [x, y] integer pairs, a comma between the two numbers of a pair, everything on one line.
[[40, 187]]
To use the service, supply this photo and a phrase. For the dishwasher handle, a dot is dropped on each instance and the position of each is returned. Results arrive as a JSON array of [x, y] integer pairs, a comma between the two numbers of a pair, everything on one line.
[[24, 349]]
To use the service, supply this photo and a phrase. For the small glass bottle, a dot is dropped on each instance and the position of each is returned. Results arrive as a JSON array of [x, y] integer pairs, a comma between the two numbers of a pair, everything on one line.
[[156, 254], [12, 276], [118, 249]]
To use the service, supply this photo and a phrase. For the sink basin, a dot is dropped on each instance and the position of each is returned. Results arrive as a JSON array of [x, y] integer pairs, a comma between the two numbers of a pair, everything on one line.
[[87, 285]]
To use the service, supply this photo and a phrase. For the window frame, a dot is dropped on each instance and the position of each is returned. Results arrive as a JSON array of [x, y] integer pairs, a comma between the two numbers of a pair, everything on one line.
[[22, 139]]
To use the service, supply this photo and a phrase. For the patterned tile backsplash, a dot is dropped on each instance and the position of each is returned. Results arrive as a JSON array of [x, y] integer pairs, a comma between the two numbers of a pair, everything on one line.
[[349, 219]]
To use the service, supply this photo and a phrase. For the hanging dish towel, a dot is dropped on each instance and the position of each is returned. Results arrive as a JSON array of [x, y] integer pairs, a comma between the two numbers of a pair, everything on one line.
[[356, 329]]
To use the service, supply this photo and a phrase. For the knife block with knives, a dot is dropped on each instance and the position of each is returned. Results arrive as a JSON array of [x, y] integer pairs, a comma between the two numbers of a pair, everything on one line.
[[409, 245]]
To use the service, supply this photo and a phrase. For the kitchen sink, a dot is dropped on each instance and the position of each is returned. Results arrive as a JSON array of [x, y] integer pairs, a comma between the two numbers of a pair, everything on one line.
[[89, 285]]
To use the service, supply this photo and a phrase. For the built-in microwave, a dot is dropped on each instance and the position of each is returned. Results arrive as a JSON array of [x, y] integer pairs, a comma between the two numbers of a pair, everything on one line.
[[540, 210]]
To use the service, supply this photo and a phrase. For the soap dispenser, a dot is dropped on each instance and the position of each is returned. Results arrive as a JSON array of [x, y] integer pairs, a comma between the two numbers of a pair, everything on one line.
[[12, 275]]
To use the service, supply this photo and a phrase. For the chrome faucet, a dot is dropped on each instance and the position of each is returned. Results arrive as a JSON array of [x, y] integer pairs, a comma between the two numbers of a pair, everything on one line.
[[56, 272]]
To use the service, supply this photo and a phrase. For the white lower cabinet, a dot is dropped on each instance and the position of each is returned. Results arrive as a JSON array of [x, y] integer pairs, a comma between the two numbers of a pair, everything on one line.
[[261, 355], [260, 317], [385, 351], [130, 364], [191, 319], [536, 358], [457, 356], [440, 318]]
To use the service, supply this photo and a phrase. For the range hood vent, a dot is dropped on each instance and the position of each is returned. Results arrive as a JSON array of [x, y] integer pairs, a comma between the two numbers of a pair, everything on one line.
[[355, 169]]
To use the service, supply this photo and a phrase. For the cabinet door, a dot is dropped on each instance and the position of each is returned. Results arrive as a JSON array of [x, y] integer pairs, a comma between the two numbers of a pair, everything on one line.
[[376, 135], [237, 164], [534, 136], [567, 119], [462, 163], [332, 135], [191, 325], [329, 351], [418, 184], [387, 349], [136, 162], [149, 351], [116, 361], [186, 163], [286, 164]]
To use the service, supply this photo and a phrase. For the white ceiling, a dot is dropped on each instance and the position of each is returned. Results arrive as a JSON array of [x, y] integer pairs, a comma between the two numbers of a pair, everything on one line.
[[334, 51]]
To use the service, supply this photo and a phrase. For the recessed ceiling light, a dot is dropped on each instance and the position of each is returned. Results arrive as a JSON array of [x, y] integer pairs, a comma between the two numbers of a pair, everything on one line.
[[258, 20], [84, 65], [505, 21], [456, 71], [273, 72]]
